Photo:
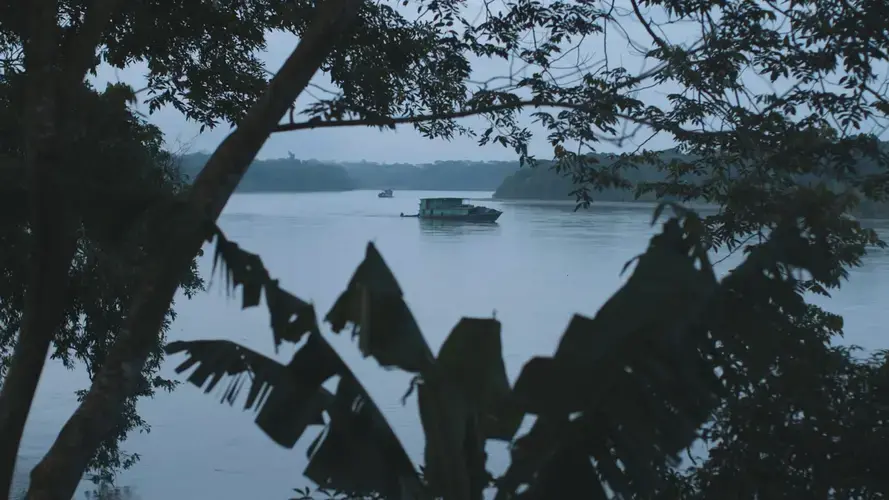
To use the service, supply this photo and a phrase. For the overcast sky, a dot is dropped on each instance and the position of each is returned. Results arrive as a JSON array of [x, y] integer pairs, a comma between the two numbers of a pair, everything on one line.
[[353, 144], [404, 144]]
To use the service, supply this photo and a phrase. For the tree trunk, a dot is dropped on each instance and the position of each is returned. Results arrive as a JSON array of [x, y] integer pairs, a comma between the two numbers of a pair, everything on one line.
[[52, 223], [58, 474], [51, 242]]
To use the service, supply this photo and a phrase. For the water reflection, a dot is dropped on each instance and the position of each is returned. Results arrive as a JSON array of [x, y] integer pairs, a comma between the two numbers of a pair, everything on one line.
[[434, 227]]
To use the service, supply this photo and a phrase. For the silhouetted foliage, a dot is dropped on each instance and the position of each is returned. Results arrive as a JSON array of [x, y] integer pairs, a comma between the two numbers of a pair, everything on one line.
[[281, 175], [675, 350], [445, 175], [623, 394], [811, 430], [675, 344], [295, 175], [102, 272]]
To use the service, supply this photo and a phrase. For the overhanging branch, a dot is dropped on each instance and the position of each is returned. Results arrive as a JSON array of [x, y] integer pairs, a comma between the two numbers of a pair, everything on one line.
[[392, 122]]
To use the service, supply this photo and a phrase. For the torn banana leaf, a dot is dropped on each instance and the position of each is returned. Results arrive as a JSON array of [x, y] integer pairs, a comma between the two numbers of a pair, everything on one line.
[[293, 406], [530, 454], [632, 378], [291, 317], [374, 306], [568, 474], [359, 455], [471, 358], [454, 454], [240, 268], [288, 398], [218, 359], [464, 400]]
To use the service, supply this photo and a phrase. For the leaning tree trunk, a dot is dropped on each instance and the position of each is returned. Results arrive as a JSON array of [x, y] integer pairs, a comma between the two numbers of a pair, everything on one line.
[[53, 227], [57, 475]]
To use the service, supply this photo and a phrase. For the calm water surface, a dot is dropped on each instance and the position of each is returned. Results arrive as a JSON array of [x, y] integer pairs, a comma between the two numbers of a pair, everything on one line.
[[539, 265]]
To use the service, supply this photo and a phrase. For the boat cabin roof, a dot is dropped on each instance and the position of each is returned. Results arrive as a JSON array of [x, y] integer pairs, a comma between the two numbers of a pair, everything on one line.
[[442, 200]]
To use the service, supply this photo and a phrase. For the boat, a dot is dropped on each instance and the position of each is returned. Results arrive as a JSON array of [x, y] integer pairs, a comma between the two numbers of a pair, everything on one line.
[[456, 209], [386, 193]]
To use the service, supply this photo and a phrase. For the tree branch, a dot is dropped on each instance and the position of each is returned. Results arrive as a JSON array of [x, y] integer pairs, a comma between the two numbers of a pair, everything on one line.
[[391, 123], [645, 24]]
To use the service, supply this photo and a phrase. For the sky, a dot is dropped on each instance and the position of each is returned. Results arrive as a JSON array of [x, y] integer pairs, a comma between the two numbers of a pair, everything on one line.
[[405, 144]]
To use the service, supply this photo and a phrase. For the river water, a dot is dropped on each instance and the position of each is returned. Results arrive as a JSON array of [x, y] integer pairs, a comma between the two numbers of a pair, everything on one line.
[[542, 263]]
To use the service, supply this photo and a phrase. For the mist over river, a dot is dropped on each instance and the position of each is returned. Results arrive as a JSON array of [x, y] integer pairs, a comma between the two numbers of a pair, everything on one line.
[[539, 265]]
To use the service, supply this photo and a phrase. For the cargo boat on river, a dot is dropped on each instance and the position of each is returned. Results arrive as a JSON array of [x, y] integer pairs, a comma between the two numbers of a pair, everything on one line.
[[456, 209]]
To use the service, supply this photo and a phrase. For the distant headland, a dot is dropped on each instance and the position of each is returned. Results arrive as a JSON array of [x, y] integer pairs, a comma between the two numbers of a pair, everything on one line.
[[505, 178], [295, 175]]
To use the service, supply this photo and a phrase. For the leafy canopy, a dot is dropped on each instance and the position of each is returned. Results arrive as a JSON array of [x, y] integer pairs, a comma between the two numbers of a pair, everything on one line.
[[102, 277]]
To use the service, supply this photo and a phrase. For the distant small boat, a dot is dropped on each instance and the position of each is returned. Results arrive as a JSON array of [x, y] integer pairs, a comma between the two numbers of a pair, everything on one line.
[[454, 209], [386, 193]]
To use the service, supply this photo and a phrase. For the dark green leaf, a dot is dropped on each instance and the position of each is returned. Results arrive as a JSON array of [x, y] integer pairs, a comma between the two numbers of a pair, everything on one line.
[[299, 400], [454, 443], [569, 474], [291, 316], [629, 378], [544, 387], [240, 268], [385, 327], [216, 359], [471, 358], [359, 454], [288, 398]]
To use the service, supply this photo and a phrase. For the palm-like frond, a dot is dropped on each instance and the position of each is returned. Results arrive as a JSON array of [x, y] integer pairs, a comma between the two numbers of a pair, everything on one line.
[[373, 304], [463, 402], [218, 359], [627, 386], [624, 392], [358, 453], [291, 317], [287, 398]]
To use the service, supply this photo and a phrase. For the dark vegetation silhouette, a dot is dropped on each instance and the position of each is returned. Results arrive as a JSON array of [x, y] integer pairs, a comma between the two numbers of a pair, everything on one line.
[[295, 175], [552, 181], [444, 175], [464, 395], [101, 277], [743, 362], [280, 175]]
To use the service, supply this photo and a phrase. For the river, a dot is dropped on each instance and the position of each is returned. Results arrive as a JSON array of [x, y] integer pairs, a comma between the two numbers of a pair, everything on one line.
[[542, 263]]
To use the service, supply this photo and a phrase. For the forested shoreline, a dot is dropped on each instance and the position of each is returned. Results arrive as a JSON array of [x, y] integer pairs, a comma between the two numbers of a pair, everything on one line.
[[296, 175], [505, 178]]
